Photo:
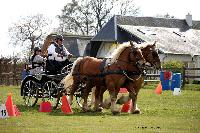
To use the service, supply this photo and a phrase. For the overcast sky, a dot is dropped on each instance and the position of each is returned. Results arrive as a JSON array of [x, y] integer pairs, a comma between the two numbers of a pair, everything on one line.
[[11, 10]]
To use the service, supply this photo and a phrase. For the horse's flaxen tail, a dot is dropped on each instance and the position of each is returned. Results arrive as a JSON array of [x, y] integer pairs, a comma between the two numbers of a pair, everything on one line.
[[68, 80]]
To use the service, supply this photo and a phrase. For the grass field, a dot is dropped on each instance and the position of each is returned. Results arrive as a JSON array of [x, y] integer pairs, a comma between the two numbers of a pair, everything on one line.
[[160, 113]]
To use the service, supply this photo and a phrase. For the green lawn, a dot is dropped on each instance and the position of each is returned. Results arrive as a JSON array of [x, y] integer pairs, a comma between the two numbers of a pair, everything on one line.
[[160, 113]]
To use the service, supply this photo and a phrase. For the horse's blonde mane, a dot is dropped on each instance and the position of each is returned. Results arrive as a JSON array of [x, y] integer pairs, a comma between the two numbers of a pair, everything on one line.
[[74, 64], [115, 55], [68, 80]]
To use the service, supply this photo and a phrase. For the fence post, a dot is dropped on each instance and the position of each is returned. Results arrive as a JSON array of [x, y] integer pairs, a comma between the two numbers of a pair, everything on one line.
[[183, 75], [14, 70]]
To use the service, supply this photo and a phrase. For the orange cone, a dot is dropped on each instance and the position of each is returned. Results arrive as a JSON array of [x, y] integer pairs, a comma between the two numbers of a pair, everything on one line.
[[45, 107], [9, 106], [127, 106], [159, 89], [65, 106], [17, 113], [123, 90]]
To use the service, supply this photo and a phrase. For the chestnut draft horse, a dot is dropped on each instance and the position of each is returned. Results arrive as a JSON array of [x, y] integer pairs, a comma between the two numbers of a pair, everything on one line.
[[134, 83], [126, 59]]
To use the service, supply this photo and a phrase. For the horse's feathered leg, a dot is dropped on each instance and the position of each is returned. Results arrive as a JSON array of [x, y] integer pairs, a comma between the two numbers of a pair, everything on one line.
[[134, 109], [113, 97], [97, 99], [133, 88], [86, 90], [102, 90], [73, 90]]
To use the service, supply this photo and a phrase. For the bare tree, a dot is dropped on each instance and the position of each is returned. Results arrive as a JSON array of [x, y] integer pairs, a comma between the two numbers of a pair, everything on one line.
[[88, 16], [102, 9], [76, 18], [165, 16], [126, 7], [29, 31]]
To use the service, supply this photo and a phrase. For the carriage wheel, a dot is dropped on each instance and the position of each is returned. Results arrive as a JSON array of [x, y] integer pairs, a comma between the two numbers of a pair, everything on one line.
[[59, 95], [30, 92], [50, 93], [66, 69]]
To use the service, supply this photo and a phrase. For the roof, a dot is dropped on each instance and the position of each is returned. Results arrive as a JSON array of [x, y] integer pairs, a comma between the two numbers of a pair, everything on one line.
[[156, 22], [108, 32], [67, 35], [172, 35], [170, 40]]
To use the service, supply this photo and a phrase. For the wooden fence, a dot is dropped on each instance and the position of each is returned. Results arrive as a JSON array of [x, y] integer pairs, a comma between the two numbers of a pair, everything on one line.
[[10, 71], [185, 73]]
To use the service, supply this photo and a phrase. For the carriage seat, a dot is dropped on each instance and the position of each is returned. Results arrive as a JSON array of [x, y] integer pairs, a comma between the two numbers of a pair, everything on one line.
[[54, 67]]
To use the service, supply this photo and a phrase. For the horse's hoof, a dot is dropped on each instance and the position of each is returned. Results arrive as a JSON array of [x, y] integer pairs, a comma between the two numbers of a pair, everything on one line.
[[137, 111], [115, 112], [57, 108], [99, 109], [106, 104], [86, 110]]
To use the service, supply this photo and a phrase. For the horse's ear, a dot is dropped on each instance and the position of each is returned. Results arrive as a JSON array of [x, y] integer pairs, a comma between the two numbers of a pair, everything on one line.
[[154, 44], [131, 43]]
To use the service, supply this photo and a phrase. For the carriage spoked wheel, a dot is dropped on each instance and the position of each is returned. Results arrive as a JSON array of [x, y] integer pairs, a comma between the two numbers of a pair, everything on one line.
[[50, 93], [66, 69], [30, 92], [59, 95]]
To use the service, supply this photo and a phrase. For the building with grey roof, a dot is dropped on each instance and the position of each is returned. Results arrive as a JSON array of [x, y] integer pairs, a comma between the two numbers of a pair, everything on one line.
[[177, 39]]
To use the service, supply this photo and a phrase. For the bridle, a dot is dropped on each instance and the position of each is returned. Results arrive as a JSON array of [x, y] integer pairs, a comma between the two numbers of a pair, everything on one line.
[[139, 63], [153, 52]]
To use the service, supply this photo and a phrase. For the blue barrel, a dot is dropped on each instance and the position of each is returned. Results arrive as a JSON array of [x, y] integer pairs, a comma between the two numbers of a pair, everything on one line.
[[176, 81], [164, 82], [24, 74], [161, 75]]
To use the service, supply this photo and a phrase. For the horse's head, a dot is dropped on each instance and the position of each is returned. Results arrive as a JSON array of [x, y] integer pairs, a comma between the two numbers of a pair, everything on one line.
[[136, 56], [151, 55], [129, 54]]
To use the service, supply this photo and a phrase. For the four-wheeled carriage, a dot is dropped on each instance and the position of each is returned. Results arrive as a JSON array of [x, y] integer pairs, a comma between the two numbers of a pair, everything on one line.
[[48, 87]]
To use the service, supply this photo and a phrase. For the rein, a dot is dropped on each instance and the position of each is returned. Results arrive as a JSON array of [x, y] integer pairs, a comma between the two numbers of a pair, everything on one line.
[[120, 72], [131, 62]]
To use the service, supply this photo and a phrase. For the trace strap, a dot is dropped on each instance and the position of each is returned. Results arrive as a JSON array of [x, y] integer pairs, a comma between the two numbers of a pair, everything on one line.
[[130, 77]]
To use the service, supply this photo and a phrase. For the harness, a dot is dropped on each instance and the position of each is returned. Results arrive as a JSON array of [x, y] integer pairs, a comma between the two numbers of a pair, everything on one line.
[[59, 50], [106, 64]]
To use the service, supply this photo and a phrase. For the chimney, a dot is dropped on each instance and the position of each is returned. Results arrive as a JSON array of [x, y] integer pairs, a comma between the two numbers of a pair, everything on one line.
[[189, 19]]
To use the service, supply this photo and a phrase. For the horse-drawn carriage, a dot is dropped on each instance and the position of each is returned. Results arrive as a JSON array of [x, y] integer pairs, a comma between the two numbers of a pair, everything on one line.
[[48, 87], [124, 69]]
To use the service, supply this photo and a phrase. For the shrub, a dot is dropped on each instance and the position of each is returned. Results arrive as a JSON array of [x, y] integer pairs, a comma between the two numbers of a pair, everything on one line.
[[195, 82], [174, 66]]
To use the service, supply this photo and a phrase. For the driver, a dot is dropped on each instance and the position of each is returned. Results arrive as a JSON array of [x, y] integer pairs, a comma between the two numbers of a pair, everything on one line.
[[58, 55]]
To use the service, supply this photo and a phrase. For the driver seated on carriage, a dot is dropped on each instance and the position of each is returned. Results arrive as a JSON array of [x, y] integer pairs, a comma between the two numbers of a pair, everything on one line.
[[37, 62], [58, 56]]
